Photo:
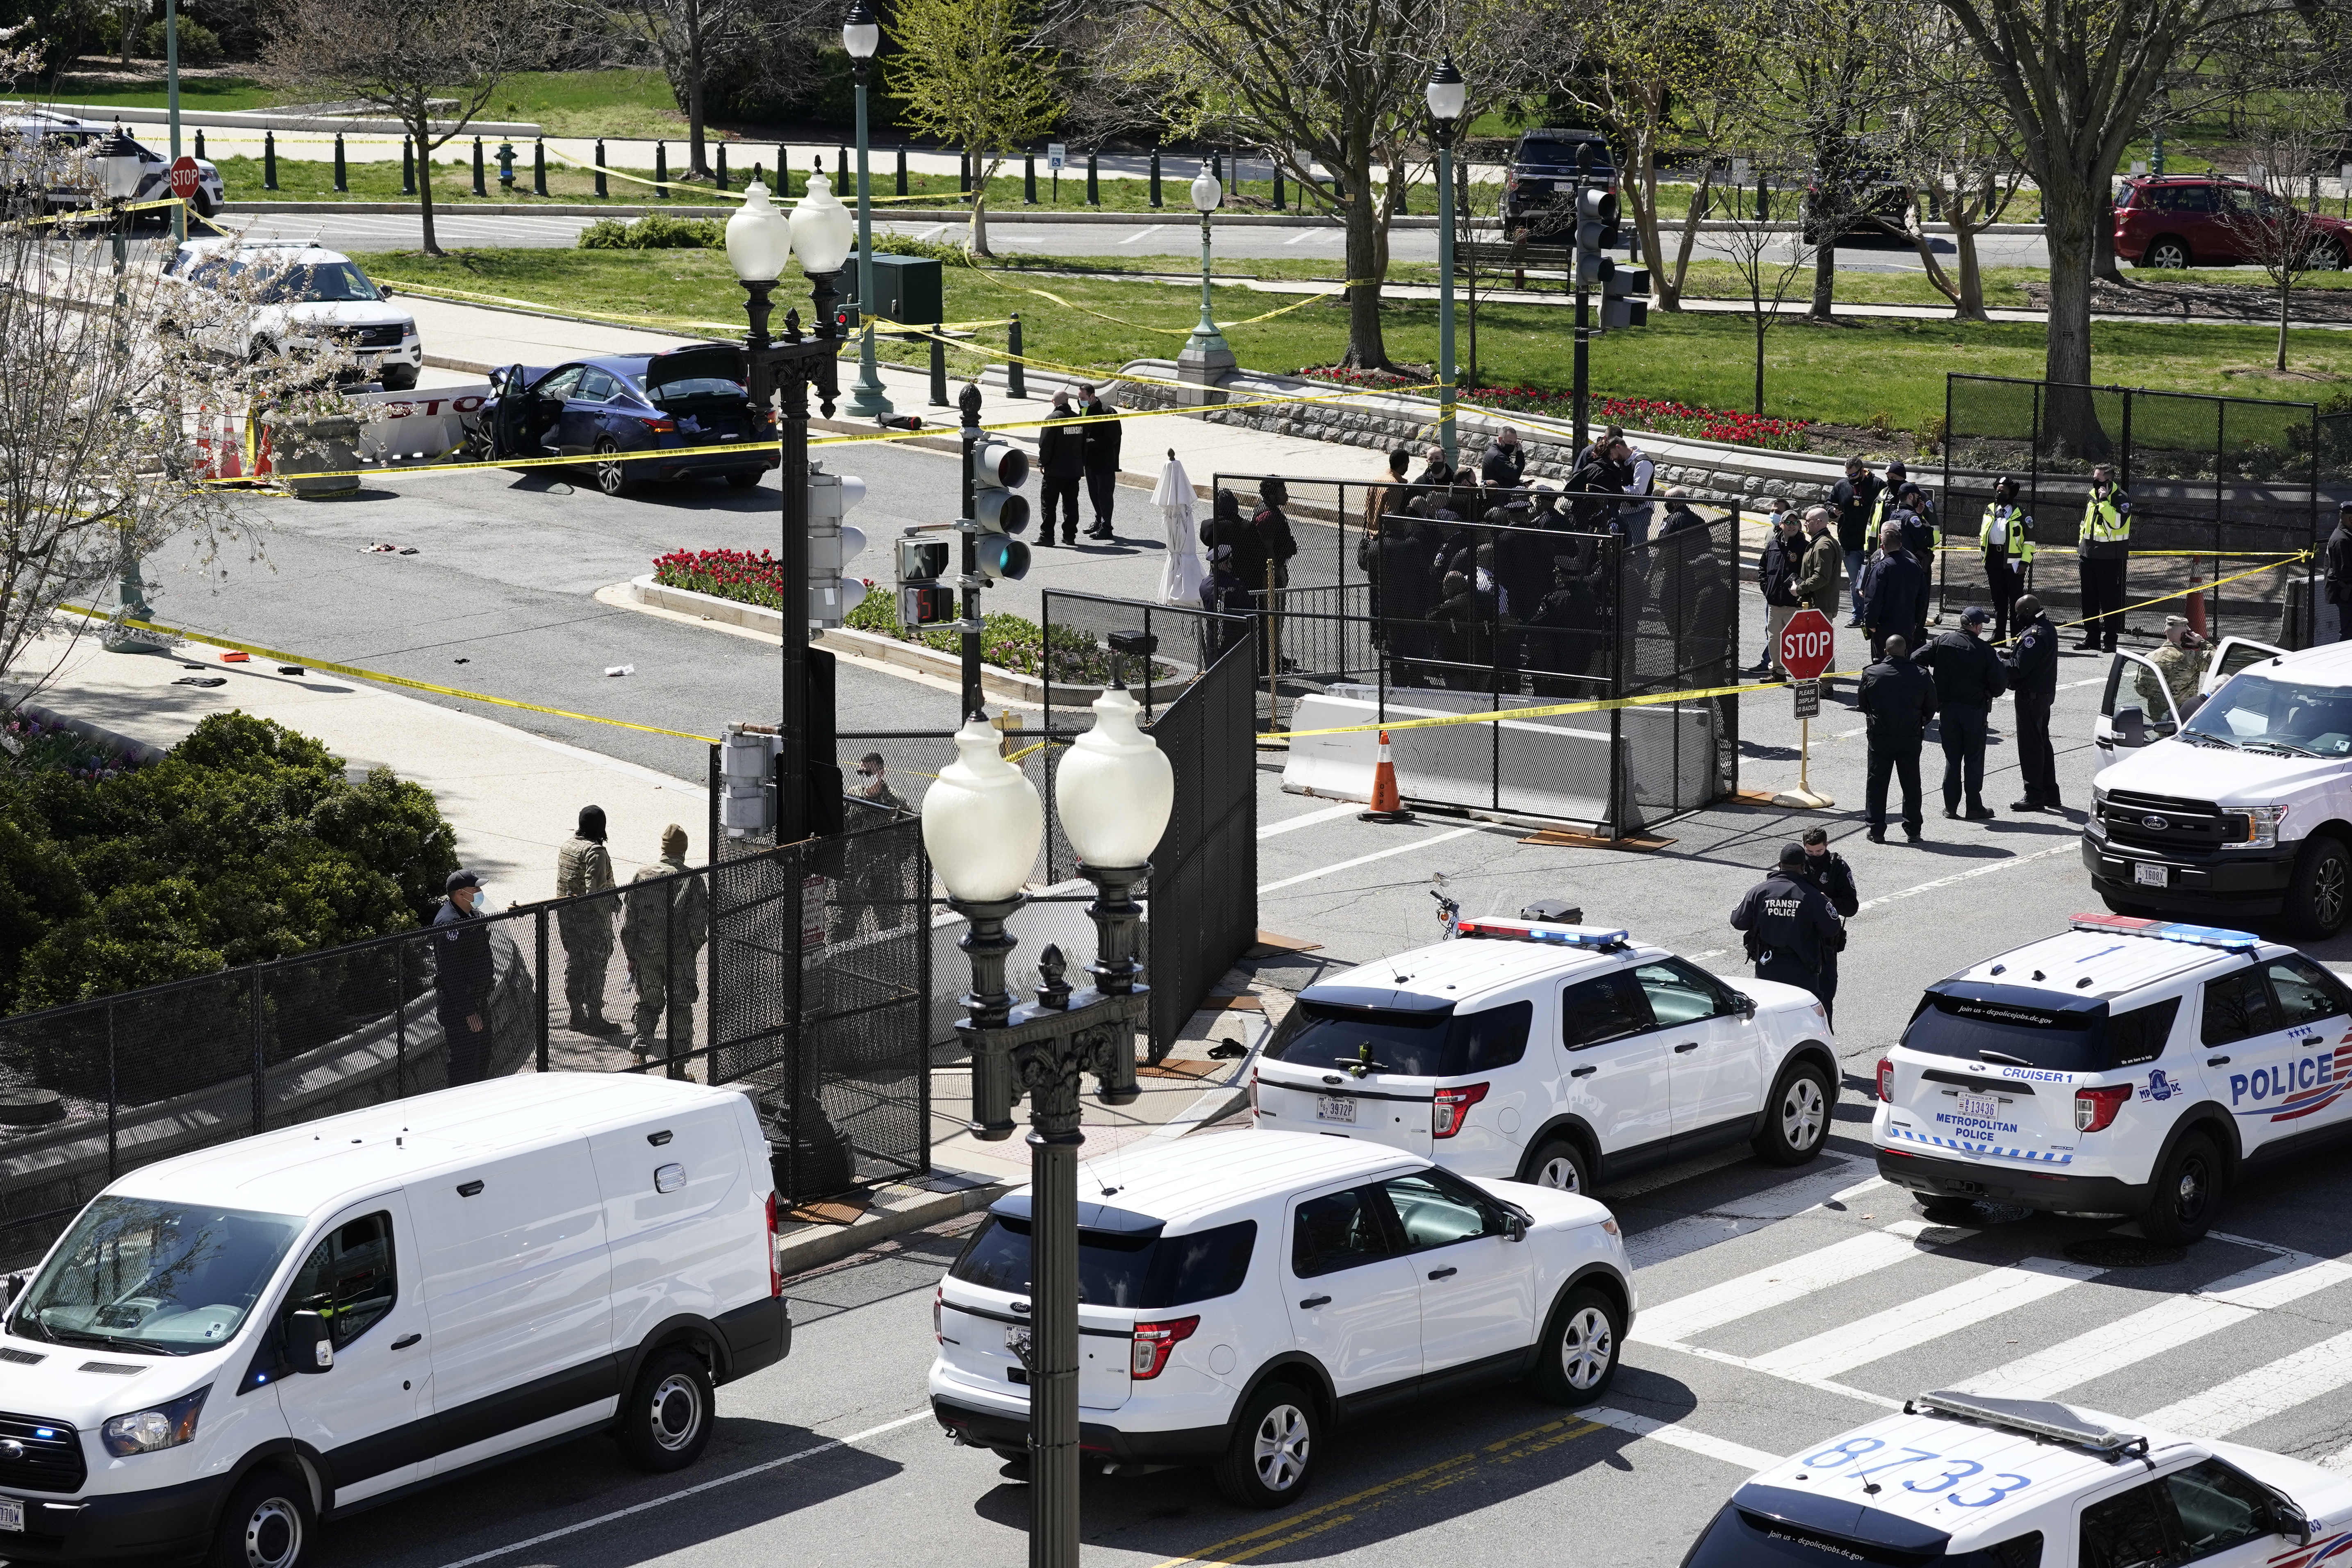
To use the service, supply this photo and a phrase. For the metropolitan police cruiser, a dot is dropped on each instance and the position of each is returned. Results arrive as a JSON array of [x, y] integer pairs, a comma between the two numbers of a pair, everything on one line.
[[2126, 1066], [1966, 1481]]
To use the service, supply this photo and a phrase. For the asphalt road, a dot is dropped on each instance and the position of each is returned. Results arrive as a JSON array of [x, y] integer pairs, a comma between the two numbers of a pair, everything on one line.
[[1174, 236]]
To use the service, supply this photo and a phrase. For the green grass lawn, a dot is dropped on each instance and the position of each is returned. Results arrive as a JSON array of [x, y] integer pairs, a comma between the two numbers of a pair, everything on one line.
[[568, 103], [220, 94], [1849, 373]]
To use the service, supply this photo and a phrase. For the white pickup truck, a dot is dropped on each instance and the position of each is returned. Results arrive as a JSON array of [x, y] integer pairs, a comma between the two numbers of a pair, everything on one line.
[[2239, 808]]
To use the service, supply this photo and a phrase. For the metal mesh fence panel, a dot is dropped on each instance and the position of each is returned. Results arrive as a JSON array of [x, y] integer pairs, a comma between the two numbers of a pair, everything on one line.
[[1204, 903], [1677, 630]]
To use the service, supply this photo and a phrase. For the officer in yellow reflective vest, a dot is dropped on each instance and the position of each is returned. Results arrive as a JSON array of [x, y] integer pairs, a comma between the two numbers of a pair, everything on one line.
[[2104, 546], [2006, 538]]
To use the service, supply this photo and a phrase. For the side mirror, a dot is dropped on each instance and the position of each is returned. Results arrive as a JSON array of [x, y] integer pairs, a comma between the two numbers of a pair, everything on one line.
[[2131, 726], [386, 290], [310, 1346], [1746, 1006], [1514, 1228]]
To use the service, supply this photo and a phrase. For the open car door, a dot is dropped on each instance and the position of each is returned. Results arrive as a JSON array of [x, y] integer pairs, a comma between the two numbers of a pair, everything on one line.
[[2231, 655], [2137, 710], [510, 419]]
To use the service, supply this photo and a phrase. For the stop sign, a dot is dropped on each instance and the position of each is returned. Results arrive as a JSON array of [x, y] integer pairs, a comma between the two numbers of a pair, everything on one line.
[[183, 179], [1807, 645]]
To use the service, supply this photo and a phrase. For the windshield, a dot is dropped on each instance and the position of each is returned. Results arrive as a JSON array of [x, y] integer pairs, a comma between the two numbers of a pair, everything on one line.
[[139, 1274], [1118, 1269], [1415, 1045], [2016, 1035], [2272, 714], [332, 282]]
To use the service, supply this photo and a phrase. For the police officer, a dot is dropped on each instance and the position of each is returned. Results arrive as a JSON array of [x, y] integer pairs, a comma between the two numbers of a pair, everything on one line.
[[2006, 537], [1826, 870], [2104, 546], [1789, 926], [463, 974], [583, 866], [1897, 699], [1969, 676], [663, 926], [2033, 680]]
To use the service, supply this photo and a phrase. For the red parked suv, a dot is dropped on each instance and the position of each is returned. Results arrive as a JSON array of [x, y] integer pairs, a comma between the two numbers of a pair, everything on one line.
[[2188, 220]]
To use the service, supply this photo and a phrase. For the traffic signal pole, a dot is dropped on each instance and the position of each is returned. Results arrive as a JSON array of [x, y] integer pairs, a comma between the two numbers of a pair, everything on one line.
[[968, 526], [1583, 351]]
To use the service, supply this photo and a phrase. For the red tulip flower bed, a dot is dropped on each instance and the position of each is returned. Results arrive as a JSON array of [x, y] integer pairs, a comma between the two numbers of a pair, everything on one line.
[[1666, 417], [735, 574]]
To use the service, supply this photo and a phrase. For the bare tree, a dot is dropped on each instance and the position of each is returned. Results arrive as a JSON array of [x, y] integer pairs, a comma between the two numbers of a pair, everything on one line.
[[696, 42], [1754, 244], [975, 73], [1338, 83], [99, 462], [1953, 145], [2273, 217], [407, 58]]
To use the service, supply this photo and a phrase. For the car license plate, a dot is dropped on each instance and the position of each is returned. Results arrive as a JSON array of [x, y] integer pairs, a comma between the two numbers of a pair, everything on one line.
[[1335, 1108], [1971, 1106], [1016, 1339], [12, 1514], [2149, 875]]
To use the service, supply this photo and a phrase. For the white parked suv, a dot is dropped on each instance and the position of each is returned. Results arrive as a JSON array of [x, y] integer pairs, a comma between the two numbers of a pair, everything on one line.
[[2239, 808], [1562, 1054], [1965, 1480], [30, 146], [228, 1346], [1243, 1294], [306, 292], [2126, 1066]]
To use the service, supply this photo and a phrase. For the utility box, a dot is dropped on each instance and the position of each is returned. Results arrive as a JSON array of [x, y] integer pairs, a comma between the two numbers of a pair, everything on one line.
[[907, 289]]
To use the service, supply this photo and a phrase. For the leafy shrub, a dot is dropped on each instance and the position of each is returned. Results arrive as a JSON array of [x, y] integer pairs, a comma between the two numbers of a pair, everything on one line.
[[908, 244], [246, 843], [199, 45], [655, 231]]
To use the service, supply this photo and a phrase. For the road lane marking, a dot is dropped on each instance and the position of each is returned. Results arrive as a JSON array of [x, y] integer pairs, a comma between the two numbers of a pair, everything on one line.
[[1144, 234], [1683, 1437], [1931, 1317], [2070, 847], [760, 1469], [2167, 1326], [1363, 861], [1787, 1281], [1834, 1183], [1329, 814], [2257, 1395]]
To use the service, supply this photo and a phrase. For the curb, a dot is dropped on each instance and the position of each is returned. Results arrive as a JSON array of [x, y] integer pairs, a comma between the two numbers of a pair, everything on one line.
[[1169, 216], [897, 1209]]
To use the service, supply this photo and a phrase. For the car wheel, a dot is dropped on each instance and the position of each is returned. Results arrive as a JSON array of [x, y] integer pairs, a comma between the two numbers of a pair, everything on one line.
[[1797, 1116], [1560, 1164], [2188, 1190], [744, 482], [1577, 1360], [2326, 256], [2167, 254], [267, 1524], [612, 476], [2320, 895], [1270, 1454], [665, 1421]]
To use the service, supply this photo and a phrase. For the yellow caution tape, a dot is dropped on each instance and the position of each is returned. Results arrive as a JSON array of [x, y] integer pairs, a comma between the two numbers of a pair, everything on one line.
[[2186, 592], [380, 677]]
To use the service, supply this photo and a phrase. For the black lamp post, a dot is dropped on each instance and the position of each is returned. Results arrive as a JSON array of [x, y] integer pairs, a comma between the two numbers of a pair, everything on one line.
[[982, 826], [759, 241]]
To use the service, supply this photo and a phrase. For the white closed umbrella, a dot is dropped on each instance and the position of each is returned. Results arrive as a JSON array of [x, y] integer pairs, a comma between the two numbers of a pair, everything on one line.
[[1181, 572]]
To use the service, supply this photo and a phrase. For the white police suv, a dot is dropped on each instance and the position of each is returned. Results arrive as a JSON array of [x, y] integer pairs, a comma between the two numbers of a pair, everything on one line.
[[1963, 1480], [2125, 1065], [1243, 1294], [300, 294], [1561, 1054]]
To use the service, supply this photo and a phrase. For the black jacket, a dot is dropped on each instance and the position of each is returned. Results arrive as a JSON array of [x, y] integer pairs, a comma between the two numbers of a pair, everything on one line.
[[1523, 564], [1100, 447], [1855, 501], [1599, 478], [1897, 700], [1919, 536], [1831, 874], [1397, 564], [1503, 466], [1968, 671], [2033, 662], [1061, 449], [1776, 569], [1467, 625], [1895, 595], [1789, 927], [1679, 517], [2338, 560], [462, 969], [1225, 525], [1274, 535]]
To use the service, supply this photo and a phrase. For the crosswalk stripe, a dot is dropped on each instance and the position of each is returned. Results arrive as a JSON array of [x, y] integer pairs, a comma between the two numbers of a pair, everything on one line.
[[2167, 1326], [1834, 1183], [1682, 1437], [1784, 1282], [1930, 1317], [2257, 1395]]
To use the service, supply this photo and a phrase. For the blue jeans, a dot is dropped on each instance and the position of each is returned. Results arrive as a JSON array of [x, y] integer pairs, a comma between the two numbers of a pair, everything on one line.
[[1853, 560]]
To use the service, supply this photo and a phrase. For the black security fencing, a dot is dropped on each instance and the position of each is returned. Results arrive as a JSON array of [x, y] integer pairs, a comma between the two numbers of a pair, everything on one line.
[[2225, 491], [797, 970], [1480, 629]]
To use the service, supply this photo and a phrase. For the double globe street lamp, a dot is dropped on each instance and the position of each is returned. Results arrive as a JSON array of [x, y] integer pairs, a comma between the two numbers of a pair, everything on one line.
[[760, 241], [1206, 358], [1447, 97], [861, 35], [982, 826]]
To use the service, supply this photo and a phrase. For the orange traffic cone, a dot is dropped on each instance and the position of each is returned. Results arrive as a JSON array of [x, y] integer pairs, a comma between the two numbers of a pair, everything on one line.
[[1387, 805], [2197, 605]]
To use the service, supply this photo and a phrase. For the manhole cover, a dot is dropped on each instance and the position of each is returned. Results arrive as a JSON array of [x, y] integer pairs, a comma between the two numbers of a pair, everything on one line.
[[2124, 1252]]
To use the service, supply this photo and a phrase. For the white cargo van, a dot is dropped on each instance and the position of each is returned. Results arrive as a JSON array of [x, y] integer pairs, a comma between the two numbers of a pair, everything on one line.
[[227, 1347]]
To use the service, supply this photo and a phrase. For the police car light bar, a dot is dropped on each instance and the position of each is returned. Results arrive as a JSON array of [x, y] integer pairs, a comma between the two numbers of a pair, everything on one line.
[[2170, 931], [1496, 927], [2035, 1417]]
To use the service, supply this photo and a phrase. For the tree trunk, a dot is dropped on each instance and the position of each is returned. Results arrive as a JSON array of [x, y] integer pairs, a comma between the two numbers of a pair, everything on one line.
[[419, 127], [1756, 313], [2070, 211], [1825, 280], [1367, 350], [979, 218], [1970, 305], [2102, 239], [697, 161], [2286, 291], [1668, 285]]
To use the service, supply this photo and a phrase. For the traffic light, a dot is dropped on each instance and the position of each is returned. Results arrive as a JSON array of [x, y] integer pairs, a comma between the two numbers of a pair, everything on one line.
[[832, 545], [923, 600], [1596, 218], [998, 511], [1625, 298]]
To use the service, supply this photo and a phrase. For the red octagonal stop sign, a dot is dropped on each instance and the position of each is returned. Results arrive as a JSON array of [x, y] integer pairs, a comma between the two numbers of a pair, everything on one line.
[[1808, 644], [183, 179]]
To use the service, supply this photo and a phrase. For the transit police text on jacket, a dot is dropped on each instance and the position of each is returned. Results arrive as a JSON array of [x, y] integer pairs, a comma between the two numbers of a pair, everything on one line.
[[1791, 928]]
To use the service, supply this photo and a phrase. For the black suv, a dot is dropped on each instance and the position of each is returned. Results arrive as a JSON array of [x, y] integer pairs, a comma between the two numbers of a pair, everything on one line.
[[1539, 191]]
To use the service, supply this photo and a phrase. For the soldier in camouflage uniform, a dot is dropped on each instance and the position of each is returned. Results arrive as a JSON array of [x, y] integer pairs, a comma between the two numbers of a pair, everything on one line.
[[663, 928], [583, 866], [2181, 662]]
